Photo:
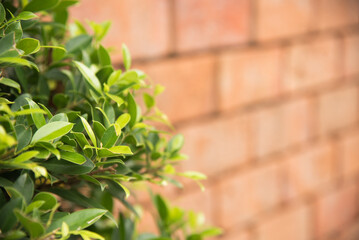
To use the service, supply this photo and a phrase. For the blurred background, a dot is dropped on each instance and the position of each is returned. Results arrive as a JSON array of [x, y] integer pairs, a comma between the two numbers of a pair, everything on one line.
[[266, 94]]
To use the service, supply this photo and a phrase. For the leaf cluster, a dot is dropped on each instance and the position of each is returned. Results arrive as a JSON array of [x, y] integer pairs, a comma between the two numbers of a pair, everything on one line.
[[73, 135]]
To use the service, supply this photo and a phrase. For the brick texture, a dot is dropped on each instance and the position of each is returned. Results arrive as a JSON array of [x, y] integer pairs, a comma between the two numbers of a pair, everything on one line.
[[275, 128], [203, 24], [248, 76], [141, 24], [293, 224], [209, 155], [351, 55], [337, 13], [245, 195], [338, 109], [266, 95], [311, 63], [189, 84], [283, 18], [335, 210]]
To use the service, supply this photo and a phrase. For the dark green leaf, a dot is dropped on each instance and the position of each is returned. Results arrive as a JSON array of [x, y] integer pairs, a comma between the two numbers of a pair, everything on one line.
[[10, 83], [161, 207], [32, 226], [25, 186], [109, 137], [48, 198], [6, 42], [132, 109], [7, 210], [23, 136], [50, 147], [78, 43], [40, 5], [66, 167], [103, 56], [60, 100], [99, 129], [2, 14]]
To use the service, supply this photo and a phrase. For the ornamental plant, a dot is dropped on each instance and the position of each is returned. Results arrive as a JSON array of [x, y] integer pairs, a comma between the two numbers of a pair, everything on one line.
[[73, 137]]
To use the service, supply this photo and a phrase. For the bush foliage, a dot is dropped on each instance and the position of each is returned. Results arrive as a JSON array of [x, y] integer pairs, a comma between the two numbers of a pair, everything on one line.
[[73, 136]]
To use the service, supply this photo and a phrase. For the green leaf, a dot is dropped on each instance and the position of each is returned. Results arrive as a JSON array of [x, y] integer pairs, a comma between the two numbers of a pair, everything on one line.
[[8, 210], [15, 28], [175, 143], [15, 234], [193, 175], [34, 205], [40, 5], [28, 45], [62, 117], [126, 57], [211, 232], [38, 118], [25, 156], [79, 220], [2, 14], [51, 131], [73, 157], [89, 131], [29, 111], [50, 147], [99, 129], [109, 137], [149, 100], [103, 56], [32, 226], [60, 100], [66, 167], [115, 98], [114, 77], [114, 151], [18, 61], [161, 207], [10, 83], [81, 139], [6, 42], [123, 120], [132, 110], [25, 15], [78, 43], [48, 198], [25, 186], [23, 136], [89, 76]]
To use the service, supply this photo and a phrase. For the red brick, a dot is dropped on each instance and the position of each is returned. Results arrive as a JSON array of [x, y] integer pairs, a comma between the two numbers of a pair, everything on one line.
[[349, 155], [236, 235], [216, 145], [293, 224], [350, 232], [141, 24], [203, 24], [335, 210], [189, 85], [351, 55], [277, 127], [283, 18], [248, 76], [244, 196], [310, 170], [337, 13], [311, 63], [338, 109]]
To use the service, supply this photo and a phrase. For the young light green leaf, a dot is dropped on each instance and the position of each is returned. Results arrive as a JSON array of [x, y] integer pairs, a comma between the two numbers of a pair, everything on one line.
[[115, 98], [103, 56], [40, 5], [24, 15], [89, 131], [123, 120], [64, 229], [25, 156], [132, 109], [28, 45], [18, 61], [38, 118], [114, 77], [149, 100], [79, 220], [29, 111], [193, 175], [126, 57], [50, 147], [10, 83], [34, 205], [51, 131], [73, 157], [89, 76], [114, 151]]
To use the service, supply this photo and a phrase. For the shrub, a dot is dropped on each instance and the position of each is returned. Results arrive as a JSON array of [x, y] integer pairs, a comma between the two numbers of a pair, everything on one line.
[[73, 137]]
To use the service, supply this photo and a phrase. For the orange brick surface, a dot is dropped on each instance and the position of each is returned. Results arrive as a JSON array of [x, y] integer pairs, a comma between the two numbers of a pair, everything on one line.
[[141, 24], [283, 18], [292, 224], [203, 24], [351, 55], [338, 109], [349, 154], [336, 209], [310, 63], [189, 84], [248, 76], [275, 128]]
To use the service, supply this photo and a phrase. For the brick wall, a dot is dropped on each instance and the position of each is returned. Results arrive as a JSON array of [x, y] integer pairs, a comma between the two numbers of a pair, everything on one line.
[[266, 93]]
